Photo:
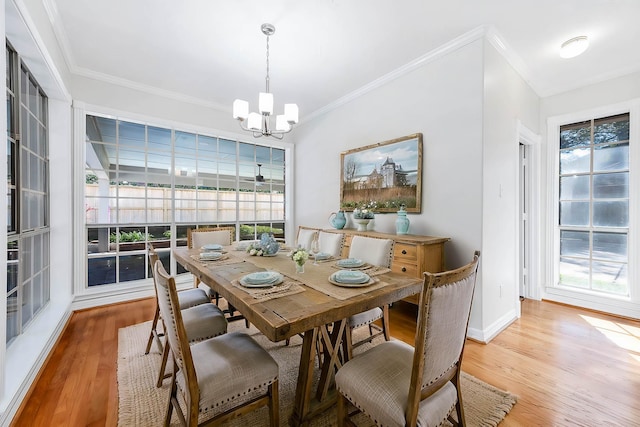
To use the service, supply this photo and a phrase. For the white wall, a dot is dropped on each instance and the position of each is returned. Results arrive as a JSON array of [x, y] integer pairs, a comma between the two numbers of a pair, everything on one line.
[[467, 105], [443, 101], [507, 100]]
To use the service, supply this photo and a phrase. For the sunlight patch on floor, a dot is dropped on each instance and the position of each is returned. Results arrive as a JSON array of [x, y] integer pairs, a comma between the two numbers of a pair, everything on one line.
[[624, 336]]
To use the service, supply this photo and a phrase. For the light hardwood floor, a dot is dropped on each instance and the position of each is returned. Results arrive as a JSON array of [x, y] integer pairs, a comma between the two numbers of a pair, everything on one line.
[[569, 367]]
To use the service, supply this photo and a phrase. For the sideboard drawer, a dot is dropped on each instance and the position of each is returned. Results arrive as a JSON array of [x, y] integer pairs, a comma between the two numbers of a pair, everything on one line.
[[405, 253], [405, 268]]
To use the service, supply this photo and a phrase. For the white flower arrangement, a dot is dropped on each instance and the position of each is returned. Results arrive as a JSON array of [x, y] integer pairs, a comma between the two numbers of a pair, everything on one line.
[[256, 249], [365, 211], [300, 255]]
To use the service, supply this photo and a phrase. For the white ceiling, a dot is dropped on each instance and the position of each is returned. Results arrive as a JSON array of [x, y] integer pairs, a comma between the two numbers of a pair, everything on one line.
[[323, 50]]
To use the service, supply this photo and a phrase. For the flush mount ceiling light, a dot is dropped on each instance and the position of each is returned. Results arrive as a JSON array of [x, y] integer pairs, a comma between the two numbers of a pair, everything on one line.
[[260, 123], [574, 47]]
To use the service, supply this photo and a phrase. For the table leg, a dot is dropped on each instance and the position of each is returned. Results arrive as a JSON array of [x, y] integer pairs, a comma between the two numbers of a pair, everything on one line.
[[332, 343], [305, 379], [305, 408]]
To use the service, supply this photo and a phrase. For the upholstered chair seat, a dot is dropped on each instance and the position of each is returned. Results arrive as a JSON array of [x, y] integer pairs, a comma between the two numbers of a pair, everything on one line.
[[203, 321], [230, 368], [390, 363], [192, 297], [365, 318]]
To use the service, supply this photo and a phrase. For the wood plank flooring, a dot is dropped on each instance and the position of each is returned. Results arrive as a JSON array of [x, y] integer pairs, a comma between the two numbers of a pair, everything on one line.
[[569, 367]]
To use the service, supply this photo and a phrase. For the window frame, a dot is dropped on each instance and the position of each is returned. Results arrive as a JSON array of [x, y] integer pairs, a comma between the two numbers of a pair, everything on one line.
[[27, 235], [82, 111], [616, 304]]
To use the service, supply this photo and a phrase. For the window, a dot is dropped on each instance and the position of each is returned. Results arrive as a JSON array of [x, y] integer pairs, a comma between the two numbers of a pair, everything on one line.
[[27, 197], [145, 183], [594, 205]]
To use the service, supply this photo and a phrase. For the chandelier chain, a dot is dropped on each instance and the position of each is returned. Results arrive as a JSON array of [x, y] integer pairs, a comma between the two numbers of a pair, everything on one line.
[[267, 78]]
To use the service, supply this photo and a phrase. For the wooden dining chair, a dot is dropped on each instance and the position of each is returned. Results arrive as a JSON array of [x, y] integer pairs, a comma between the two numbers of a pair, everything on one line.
[[396, 384], [378, 252], [305, 237], [218, 379], [331, 243], [202, 319], [197, 238], [188, 298]]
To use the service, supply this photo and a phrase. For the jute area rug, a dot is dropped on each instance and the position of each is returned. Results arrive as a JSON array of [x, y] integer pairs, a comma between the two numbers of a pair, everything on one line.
[[142, 404]]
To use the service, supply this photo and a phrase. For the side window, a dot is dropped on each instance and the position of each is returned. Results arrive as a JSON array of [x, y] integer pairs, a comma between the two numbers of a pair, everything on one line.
[[27, 197], [593, 205]]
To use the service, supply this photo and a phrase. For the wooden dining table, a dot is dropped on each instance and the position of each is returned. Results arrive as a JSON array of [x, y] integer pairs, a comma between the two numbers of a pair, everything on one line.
[[305, 303]]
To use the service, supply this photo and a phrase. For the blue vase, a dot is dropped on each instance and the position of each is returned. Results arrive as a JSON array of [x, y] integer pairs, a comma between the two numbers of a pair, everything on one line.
[[402, 222], [338, 220]]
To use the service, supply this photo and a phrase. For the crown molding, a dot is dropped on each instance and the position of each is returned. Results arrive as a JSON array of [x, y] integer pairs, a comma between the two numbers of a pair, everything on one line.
[[27, 40], [152, 90], [500, 44]]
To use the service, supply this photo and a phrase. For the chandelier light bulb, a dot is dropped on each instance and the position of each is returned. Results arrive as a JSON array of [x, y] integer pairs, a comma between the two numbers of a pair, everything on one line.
[[574, 47]]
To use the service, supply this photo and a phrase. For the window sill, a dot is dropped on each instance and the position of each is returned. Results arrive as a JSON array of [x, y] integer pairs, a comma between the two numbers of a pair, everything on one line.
[[617, 305]]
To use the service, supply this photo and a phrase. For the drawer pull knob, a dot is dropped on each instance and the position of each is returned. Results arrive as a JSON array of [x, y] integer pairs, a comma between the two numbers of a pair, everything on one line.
[[404, 252], [404, 269]]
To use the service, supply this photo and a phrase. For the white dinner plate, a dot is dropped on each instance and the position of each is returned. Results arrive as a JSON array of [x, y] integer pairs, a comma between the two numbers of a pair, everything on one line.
[[351, 285], [210, 256], [275, 280], [262, 277], [350, 263], [350, 277], [212, 247]]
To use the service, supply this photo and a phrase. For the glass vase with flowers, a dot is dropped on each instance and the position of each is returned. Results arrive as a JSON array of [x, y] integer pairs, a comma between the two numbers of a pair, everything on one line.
[[299, 257]]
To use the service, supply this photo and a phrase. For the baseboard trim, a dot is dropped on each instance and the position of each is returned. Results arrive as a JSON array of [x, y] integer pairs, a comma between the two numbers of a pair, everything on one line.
[[89, 301], [486, 335]]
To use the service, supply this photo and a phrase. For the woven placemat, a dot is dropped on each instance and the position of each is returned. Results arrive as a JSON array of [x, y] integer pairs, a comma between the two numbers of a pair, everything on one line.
[[225, 260], [288, 286]]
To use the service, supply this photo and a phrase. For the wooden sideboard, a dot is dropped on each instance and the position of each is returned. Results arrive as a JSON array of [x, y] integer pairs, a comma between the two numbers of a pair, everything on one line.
[[412, 254]]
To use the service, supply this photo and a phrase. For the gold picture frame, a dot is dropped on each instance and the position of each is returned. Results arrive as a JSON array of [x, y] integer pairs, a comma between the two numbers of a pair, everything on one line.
[[383, 176]]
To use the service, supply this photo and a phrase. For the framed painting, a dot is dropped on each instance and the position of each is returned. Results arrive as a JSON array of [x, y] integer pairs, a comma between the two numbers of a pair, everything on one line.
[[383, 176]]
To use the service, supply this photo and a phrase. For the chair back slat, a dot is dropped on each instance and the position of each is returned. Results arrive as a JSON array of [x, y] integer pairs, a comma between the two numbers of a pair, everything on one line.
[[372, 250], [175, 331], [198, 237], [305, 237], [331, 243]]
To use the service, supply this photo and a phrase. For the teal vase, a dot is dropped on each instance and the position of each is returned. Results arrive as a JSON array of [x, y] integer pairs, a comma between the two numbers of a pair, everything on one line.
[[338, 220], [402, 222]]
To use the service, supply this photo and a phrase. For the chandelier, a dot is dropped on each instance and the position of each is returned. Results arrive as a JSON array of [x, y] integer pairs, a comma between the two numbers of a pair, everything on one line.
[[260, 123]]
